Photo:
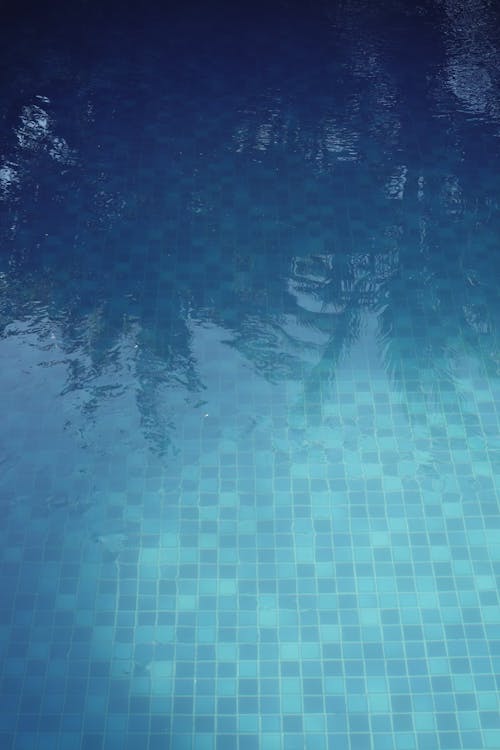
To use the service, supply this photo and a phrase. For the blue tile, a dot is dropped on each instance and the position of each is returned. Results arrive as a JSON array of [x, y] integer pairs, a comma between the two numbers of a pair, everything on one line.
[[249, 466]]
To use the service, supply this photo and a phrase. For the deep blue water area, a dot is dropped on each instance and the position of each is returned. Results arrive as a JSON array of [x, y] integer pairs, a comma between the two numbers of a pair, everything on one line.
[[250, 376]]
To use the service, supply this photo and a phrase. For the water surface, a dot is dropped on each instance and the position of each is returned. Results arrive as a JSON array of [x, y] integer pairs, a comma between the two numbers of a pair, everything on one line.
[[249, 341]]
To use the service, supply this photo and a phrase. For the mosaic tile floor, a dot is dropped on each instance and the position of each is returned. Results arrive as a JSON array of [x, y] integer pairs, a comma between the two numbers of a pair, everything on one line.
[[249, 315]]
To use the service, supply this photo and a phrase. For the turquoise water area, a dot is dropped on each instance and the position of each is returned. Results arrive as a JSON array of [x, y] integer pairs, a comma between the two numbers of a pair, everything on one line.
[[250, 377]]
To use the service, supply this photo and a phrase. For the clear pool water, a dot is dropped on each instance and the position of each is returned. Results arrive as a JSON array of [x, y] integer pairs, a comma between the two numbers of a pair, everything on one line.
[[250, 377]]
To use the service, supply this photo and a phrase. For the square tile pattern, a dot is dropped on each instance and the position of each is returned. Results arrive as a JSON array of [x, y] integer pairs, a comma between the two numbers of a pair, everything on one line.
[[250, 495]]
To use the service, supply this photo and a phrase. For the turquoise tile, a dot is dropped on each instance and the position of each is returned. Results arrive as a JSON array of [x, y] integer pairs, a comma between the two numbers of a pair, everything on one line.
[[249, 454]]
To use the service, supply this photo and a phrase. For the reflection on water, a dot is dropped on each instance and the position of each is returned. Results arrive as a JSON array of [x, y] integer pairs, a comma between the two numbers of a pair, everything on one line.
[[303, 208], [249, 342], [472, 56], [431, 311]]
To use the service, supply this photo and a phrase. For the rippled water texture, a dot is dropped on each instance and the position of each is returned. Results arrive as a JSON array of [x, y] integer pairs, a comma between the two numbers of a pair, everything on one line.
[[249, 376]]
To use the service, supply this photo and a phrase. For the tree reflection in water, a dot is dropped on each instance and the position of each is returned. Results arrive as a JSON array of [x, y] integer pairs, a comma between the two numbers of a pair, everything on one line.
[[283, 218]]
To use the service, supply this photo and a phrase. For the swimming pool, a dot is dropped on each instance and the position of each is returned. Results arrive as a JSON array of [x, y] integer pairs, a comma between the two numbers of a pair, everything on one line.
[[250, 359]]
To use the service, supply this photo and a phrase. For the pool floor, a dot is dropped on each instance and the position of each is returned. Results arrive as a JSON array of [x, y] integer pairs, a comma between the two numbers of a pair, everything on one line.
[[250, 378]]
